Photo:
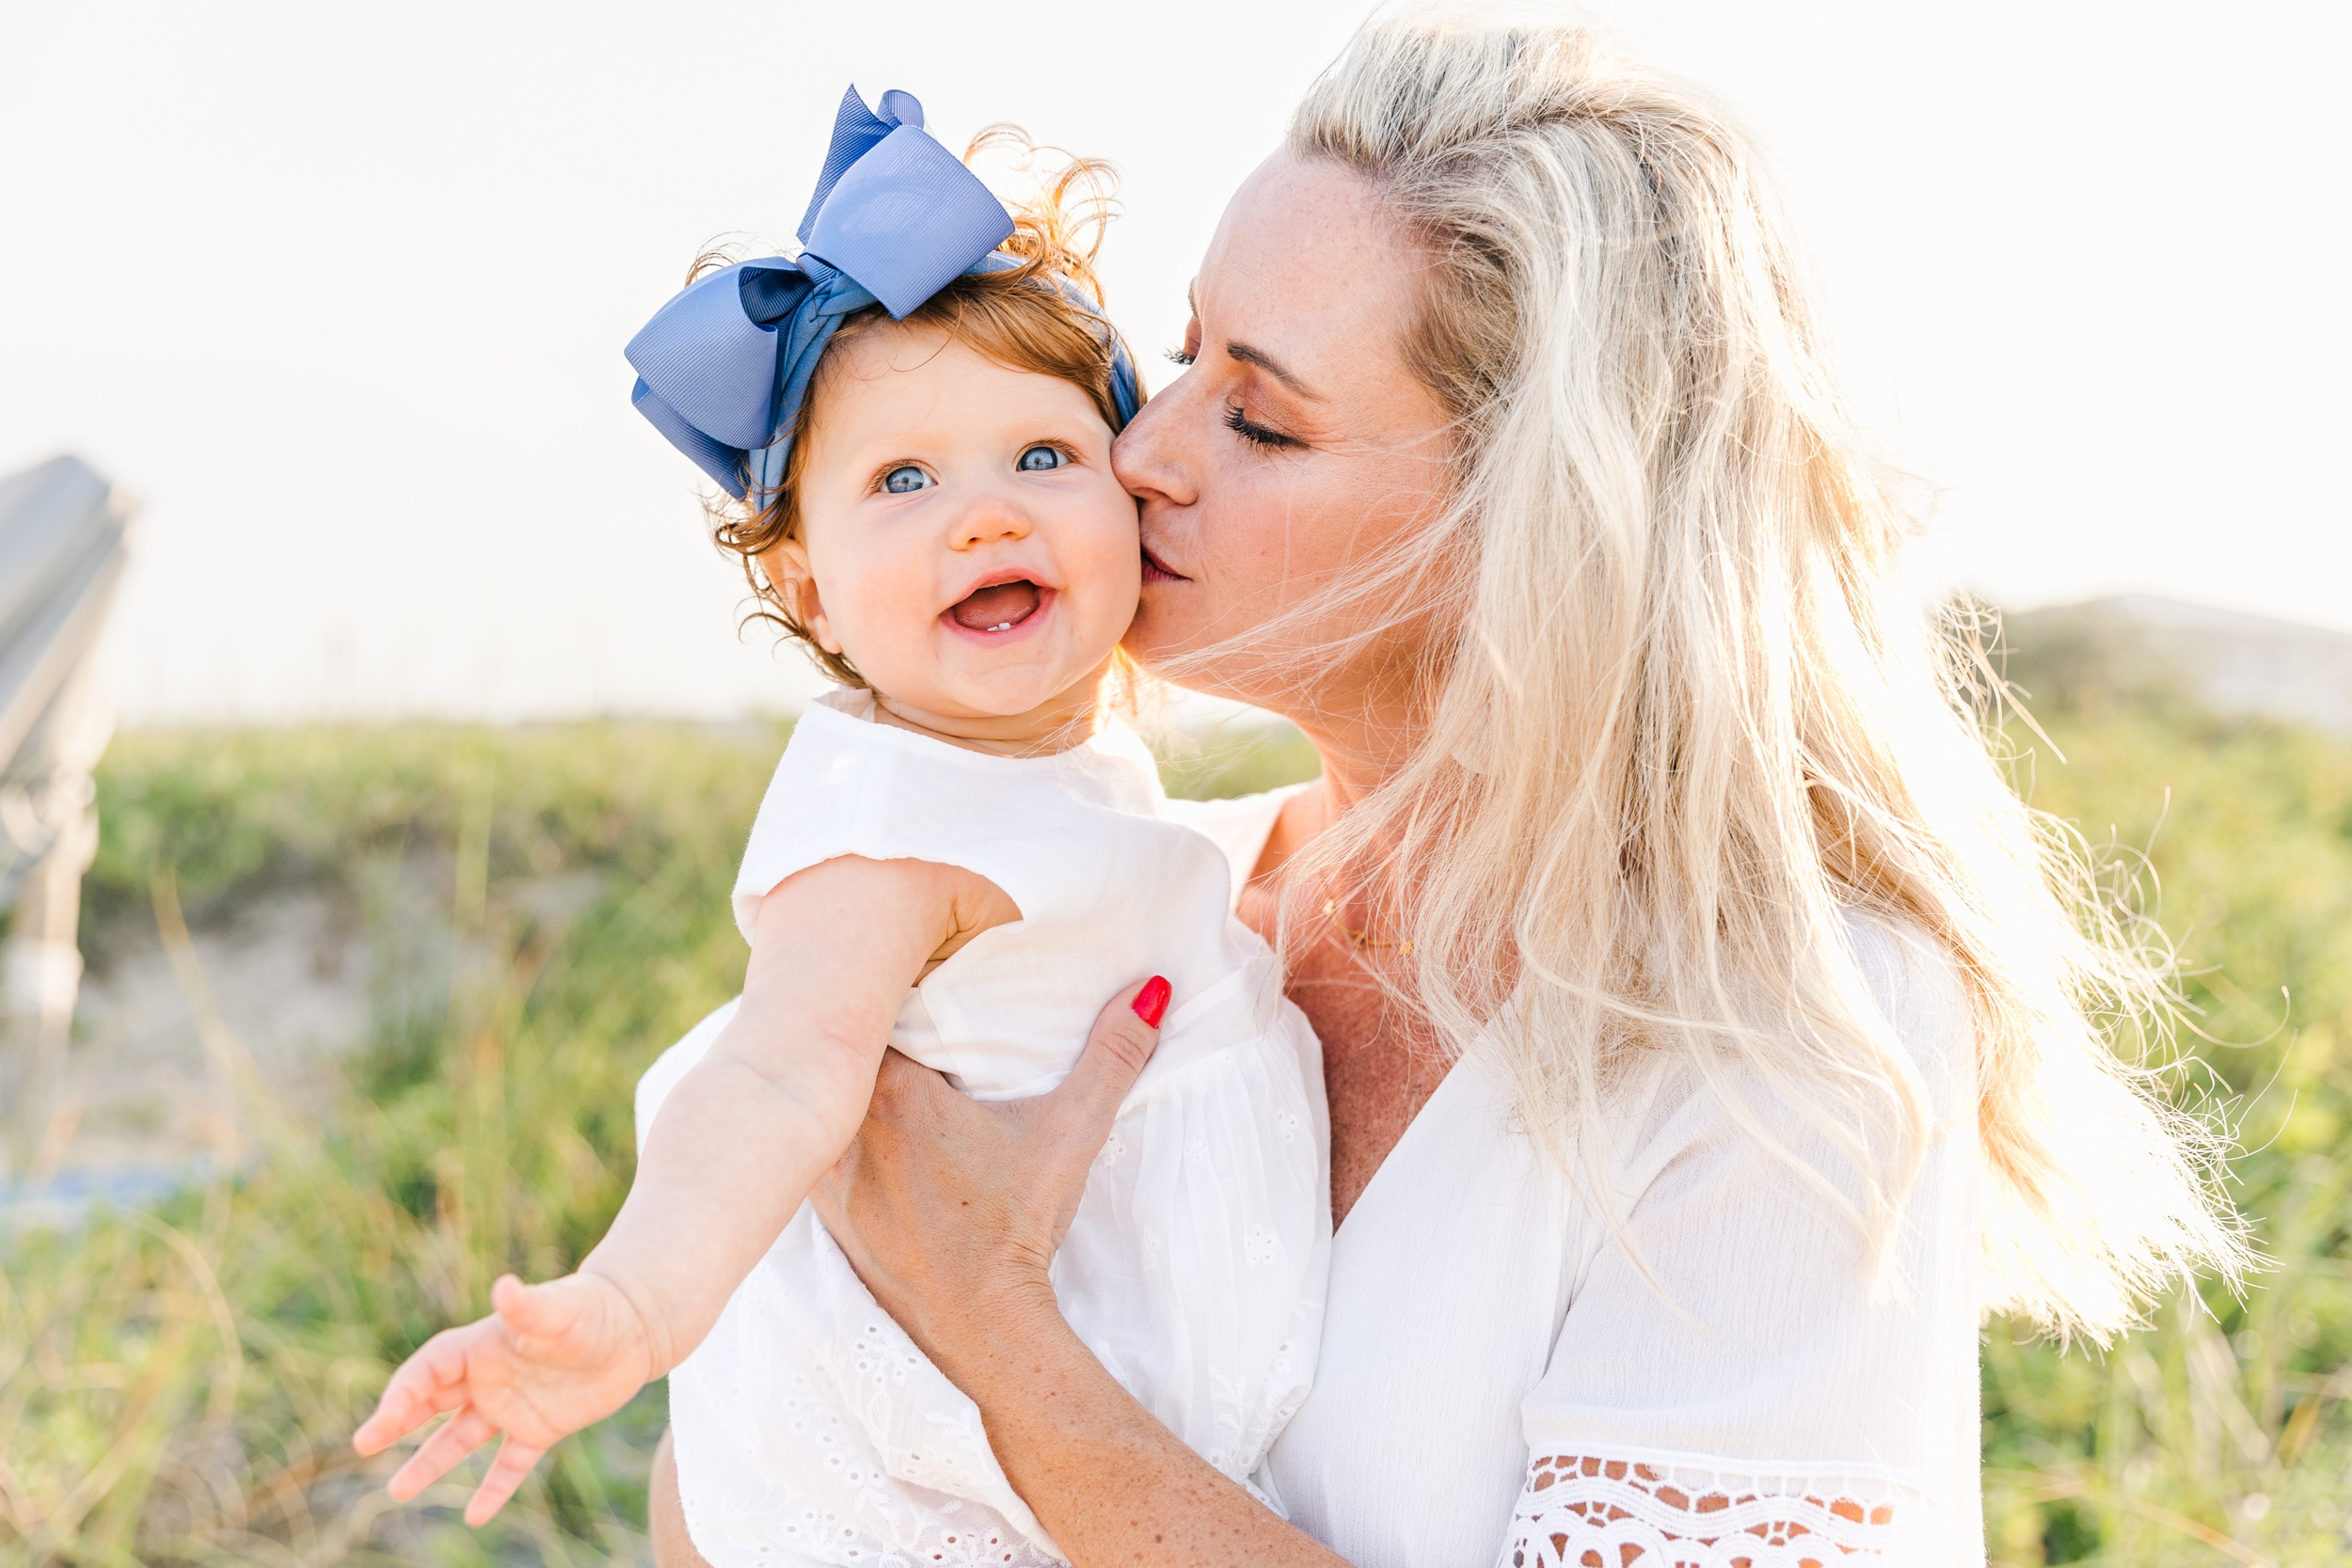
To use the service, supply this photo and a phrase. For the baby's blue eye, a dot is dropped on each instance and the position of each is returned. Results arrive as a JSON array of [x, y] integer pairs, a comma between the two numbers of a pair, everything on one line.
[[899, 481], [1038, 459]]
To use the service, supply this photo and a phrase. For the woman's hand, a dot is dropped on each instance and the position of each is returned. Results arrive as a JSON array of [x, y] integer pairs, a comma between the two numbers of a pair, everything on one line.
[[951, 1210]]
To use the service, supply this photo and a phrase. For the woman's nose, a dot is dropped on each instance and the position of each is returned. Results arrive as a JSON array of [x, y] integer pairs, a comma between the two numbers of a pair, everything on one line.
[[1148, 457], [991, 518]]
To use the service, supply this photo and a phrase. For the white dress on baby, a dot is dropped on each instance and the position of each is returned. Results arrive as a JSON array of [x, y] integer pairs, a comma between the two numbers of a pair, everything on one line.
[[808, 1426]]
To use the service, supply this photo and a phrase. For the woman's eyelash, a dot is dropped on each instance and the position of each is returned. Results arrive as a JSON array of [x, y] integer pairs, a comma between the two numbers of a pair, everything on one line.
[[1178, 357], [1256, 435]]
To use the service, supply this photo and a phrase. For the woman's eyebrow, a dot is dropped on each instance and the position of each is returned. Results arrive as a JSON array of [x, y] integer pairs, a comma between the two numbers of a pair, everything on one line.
[[1266, 362]]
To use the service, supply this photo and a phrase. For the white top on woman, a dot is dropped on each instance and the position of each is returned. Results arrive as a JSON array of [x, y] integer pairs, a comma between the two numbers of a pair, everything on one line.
[[1499, 1383]]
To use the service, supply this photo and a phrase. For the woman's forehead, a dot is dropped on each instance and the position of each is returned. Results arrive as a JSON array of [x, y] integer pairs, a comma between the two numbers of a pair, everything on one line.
[[1310, 267]]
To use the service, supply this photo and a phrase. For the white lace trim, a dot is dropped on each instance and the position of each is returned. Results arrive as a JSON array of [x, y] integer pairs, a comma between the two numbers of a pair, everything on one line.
[[1582, 1511]]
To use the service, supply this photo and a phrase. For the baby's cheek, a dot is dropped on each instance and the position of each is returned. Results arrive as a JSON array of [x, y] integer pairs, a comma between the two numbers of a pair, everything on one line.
[[1119, 570], [886, 624], [1114, 541]]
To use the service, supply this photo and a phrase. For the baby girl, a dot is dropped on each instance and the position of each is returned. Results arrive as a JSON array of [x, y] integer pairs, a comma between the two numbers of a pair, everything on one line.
[[962, 855]]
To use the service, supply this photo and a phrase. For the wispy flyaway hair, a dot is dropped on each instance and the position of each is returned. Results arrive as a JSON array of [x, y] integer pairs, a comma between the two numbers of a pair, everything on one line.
[[1689, 717]]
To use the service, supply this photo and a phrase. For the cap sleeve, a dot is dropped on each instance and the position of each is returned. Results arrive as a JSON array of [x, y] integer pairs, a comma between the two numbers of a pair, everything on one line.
[[1794, 1393], [847, 786]]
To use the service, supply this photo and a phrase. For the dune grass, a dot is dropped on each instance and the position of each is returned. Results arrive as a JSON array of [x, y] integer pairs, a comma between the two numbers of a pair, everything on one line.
[[177, 1384], [2219, 1434], [184, 1383]]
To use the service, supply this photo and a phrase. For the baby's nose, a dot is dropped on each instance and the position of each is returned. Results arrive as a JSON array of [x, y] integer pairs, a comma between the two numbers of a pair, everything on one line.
[[989, 519]]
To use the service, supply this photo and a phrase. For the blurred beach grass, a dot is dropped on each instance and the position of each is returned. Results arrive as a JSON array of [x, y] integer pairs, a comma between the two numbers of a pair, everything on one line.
[[178, 1381]]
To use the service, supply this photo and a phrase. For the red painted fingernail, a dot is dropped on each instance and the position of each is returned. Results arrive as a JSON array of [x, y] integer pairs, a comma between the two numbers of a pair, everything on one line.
[[1150, 1003]]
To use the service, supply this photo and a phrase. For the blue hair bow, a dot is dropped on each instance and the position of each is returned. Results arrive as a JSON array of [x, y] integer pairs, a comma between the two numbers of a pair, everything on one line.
[[721, 369]]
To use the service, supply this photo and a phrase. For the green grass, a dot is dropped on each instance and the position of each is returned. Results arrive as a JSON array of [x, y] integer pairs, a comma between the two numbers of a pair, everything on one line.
[[176, 1387], [2219, 1435], [182, 1387]]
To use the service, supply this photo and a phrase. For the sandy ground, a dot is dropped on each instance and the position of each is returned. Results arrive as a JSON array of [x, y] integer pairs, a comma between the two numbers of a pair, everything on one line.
[[143, 1100], [297, 981]]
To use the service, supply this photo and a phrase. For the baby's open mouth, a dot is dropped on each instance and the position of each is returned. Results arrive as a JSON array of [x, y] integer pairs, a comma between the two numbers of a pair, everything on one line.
[[999, 607]]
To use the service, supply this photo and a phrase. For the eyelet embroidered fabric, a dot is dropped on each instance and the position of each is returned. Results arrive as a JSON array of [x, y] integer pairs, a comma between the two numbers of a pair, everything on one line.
[[1586, 1510]]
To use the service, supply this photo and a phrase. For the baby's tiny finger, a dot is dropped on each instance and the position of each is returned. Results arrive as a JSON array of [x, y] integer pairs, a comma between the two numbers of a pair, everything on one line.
[[442, 1452], [514, 1463], [385, 1423], [379, 1431], [416, 1393]]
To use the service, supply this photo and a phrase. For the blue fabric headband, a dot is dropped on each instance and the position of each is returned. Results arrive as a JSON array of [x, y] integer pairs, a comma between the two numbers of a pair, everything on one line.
[[721, 369]]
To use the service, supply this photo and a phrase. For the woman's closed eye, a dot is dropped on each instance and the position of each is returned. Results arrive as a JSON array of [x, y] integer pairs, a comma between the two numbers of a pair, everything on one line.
[[906, 476], [1257, 435]]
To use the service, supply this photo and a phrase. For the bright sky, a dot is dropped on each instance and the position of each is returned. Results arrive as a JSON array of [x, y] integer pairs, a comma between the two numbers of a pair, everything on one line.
[[341, 291]]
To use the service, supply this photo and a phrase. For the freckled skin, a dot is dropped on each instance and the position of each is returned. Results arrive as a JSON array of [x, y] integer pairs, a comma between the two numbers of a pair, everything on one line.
[[1379, 1067], [940, 1217], [1310, 271]]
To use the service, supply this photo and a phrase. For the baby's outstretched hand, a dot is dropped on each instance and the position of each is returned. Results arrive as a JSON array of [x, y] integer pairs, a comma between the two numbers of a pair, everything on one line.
[[549, 1360]]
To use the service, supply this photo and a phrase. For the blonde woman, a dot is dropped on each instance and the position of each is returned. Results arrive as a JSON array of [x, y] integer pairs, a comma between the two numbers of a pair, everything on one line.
[[1710, 1036]]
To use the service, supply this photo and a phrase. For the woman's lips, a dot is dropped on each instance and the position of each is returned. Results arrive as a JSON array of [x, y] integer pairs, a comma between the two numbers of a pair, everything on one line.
[[1156, 570]]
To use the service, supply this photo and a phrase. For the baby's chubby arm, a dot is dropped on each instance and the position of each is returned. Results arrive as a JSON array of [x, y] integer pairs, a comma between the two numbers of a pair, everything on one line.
[[738, 1144], [744, 1136]]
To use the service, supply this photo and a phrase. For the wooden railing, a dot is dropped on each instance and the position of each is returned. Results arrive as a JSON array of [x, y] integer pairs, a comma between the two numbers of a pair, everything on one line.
[[63, 545]]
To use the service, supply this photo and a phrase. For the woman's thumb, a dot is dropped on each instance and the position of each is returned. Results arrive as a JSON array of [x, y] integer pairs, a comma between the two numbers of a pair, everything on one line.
[[1125, 1036]]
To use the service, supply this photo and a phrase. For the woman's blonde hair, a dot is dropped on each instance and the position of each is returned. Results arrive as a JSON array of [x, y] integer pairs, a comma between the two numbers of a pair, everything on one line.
[[1043, 316], [1690, 717]]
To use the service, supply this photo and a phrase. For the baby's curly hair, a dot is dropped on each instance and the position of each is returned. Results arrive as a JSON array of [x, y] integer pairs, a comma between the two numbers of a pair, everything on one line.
[[1022, 318]]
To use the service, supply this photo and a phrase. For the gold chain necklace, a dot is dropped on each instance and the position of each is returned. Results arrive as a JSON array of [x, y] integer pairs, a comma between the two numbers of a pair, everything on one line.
[[1356, 939], [1404, 945]]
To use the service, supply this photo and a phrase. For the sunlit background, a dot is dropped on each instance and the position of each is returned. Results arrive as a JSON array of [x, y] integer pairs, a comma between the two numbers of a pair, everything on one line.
[[340, 293]]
